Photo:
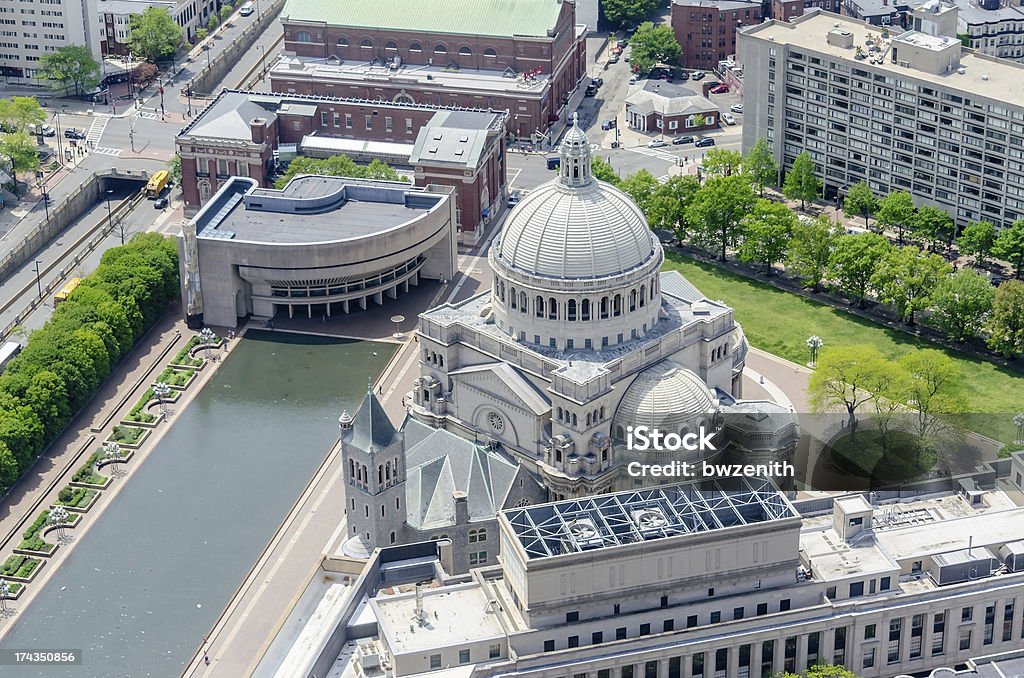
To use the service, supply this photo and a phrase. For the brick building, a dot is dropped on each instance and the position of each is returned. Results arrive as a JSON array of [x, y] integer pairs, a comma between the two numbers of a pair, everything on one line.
[[527, 57], [237, 135], [669, 109], [784, 10], [706, 29]]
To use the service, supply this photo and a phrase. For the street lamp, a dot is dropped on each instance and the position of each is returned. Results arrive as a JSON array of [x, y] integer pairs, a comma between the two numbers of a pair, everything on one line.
[[60, 147], [5, 590], [112, 451], [46, 199], [1018, 420], [110, 217], [39, 285], [58, 517], [188, 95], [161, 391], [207, 337], [814, 343], [398, 320]]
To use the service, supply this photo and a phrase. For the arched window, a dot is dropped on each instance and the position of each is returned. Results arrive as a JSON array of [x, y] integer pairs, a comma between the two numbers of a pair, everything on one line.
[[501, 290], [588, 418], [465, 51], [632, 300], [303, 36], [522, 302], [620, 433], [351, 469], [513, 298], [652, 287], [392, 537], [476, 536], [342, 42], [380, 474], [575, 421], [539, 301], [643, 295], [559, 414], [604, 308], [490, 53], [552, 309], [602, 412], [440, 49], [415, 47], [387, 471], [366, 44], [404, 98], [571, 314], [617, 305], [585, 309], [391, 46]]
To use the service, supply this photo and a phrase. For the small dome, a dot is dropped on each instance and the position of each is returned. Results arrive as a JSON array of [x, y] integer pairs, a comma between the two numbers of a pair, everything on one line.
[[668, 397]]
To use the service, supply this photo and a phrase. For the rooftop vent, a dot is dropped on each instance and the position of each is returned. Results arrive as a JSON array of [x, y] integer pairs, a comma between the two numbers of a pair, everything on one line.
[[961, 70], [650, 518]]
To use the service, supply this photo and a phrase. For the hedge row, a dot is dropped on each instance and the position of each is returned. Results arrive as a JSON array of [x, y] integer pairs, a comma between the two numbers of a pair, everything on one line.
[[67, 360]]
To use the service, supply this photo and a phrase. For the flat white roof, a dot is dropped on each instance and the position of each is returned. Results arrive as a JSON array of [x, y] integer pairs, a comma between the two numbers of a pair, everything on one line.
[[455, 615], [986, 529]]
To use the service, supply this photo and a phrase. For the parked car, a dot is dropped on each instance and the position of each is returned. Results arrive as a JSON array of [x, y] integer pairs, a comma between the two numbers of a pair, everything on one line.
[[161, 203], [44, 130], [626, 58], [657, 143], [622, 43], [591, 91], [246, 9], [698, 75], [73, 133], [632, 80], [608, 124], [597, 82], [729, 120], [685, 139], [712, 83], [683, 75], [616, 50], [736, 108], [704, 141], [613, 59], [513, 198], [720, 89]]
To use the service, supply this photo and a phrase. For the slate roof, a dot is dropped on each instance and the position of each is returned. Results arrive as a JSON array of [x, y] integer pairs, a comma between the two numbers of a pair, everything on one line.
[[229, 116], [501, 18], [371, 427], [666, 98], [456, 137]]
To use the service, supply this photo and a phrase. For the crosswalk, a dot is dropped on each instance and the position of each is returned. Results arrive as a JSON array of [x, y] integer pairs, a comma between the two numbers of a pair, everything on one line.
[[95, 133], [149, 115], [654, 153], [107, 151]]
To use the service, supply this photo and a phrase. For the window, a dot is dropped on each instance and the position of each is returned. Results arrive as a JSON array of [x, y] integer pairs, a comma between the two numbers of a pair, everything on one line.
[[711, 591], [348, 121], [342, 42], [856, 589], [668, 625], [366, 44], [388, 126], [490, 53], [784, 604], [303, 36], [895, 632], [549, 646], [574, 641], [415, 47], [965, 639], [478, 535], [440, 49], [762, 608], [596, 637], [463, 656], [391, 46], [620, 633], [645, 629], [494, 651], [884, 583], [737, 613], [869, 632], [571, 617], [435, 661], [664, 601], [869, 658], [465, 51], [715, 617], [478, 558], [967, 614], [369, 121]]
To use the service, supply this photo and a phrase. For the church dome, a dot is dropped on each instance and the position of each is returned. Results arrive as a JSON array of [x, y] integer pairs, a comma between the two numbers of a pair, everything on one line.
[[668, 397], [576, 227]]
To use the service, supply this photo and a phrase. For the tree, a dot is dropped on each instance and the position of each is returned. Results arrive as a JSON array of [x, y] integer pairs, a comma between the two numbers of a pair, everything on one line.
[[174, 165], [20, 112], [766, 233], [1009, 245], [225, 12], [810, 249], [854, 260], [652, 45], [977, 239], [213, 22], [144, 72], [760, 166], [9, 469], [962, 303], [1006, 326], [844, 378], [905, 277], [71, 65], [602, 170], [721, 162], [154, 34], [623, 13], [860, 200], [934, 225], [21, 150], [640, 186], [716, 211], [667, 206], [338, 166], [801, 184], [932, 389], [201, 34], [896, 210]]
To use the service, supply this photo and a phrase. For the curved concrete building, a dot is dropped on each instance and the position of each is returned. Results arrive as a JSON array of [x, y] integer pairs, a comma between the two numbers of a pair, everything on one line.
[[321, 246]]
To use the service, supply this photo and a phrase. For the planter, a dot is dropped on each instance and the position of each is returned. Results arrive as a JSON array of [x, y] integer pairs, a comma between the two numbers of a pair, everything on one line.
[[138, 441], [39, 562], [93, 486], [15, 591], [82, 508], [123, 459], [171, 375], [38, 554]]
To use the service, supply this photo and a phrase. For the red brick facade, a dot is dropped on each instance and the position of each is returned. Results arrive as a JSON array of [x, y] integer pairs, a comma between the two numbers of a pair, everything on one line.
[[784, 10], [707, 30]]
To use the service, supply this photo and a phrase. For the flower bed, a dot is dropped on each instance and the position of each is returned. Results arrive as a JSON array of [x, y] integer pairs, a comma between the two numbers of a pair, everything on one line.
[[138, 413], [176, 378], [32, 542], [20, 568], [183, 359], [77, 498], [87, 475], [127, 435]]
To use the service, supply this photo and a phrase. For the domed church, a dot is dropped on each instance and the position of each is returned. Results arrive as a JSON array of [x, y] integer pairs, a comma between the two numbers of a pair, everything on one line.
[[580, 337]]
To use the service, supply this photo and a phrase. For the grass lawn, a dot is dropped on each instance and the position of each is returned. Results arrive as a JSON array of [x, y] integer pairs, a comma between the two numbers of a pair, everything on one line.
[[173, 377], [129, 435], [19, 566], [780, 322]]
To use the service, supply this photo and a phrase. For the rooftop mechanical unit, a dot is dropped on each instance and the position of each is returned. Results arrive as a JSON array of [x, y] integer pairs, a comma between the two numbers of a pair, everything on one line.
[[584, 534]]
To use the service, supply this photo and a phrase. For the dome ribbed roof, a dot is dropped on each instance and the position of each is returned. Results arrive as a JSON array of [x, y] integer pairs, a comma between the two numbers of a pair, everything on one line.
[[668, 397]]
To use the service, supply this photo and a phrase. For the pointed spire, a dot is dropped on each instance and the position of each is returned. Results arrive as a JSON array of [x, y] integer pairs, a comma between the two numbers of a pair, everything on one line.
[[371, 427]]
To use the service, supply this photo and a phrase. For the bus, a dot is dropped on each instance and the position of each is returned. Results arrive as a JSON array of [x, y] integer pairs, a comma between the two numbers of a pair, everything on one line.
[[157, 184], [7, 353], [66, 291]]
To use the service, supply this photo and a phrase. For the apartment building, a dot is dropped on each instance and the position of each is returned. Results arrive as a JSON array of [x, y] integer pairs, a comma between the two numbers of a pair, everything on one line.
[[115, 19], [706, 29], [29, 29], [784, 10], [911, 111], [992, 27]]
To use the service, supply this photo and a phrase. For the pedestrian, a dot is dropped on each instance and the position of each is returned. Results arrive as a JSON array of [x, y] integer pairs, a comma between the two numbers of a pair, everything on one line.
[[206, 659]]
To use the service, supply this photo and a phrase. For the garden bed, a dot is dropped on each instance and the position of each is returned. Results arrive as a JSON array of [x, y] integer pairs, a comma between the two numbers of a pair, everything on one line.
[[146, 410], [184, 357], [14, 590], [128, 436], [126, 455], [78, 499], [177, 378], [32, 542], [86, 475], [20, 568]]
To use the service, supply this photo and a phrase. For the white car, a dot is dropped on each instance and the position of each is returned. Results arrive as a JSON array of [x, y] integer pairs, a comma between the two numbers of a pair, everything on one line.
[[729, 120], [736, 108], [657, 143], [632, 80]]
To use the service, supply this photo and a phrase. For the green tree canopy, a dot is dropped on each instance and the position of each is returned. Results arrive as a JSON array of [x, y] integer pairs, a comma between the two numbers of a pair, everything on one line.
[[896, 210], [932, 389], [720, 162], [155, 34], [977, 240], [717, 210], [767, 230], [338, 166], [71, 65], [854, 260], [860, 200], [667, 207], [800, 183], [640, 186], [1009, 246], [625, 13], [906, 276], [20, 112], [652, 45], [603, 171], [934, 225], [845, 378], [760, 166], [810, 249], [21, 149], [962, 303], [1006, 326]]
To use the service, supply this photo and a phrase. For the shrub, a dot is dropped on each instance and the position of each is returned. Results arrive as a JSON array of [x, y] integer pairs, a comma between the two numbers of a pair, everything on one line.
[[128, 435], [1009, 449], [66, 494], [139, 413], [173, 377]]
